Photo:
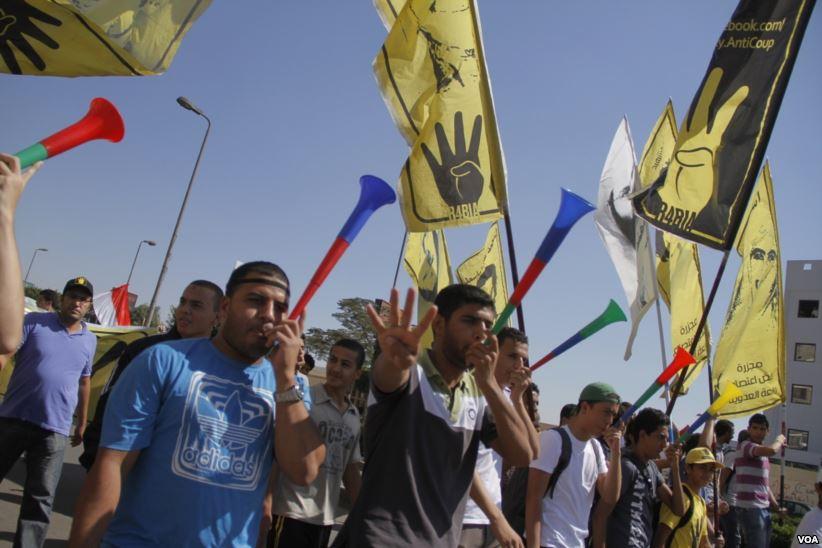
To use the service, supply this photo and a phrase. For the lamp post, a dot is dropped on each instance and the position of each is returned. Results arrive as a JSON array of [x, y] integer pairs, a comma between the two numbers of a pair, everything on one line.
[[151, 243], [186, 104], [26, 279]]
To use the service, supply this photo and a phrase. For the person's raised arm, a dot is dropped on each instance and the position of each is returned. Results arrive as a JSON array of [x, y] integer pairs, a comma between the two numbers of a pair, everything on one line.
[[610, 483], [768, 450], [706, 437], [399, 342], [12, 183], [673, 497], [512, 441], [299, 449], [520, 383], [99, 496]]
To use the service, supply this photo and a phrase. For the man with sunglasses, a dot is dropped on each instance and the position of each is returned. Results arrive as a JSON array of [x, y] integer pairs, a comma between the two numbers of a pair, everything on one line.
[[51, 379]]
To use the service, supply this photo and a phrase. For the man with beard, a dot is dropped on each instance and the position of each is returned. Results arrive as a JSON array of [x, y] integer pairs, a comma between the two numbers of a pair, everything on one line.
[[51, 379], [426, 418], [189, 434], [196, 316]]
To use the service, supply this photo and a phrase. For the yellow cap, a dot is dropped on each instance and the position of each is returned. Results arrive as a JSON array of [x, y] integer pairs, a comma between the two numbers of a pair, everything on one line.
[[701, 455]]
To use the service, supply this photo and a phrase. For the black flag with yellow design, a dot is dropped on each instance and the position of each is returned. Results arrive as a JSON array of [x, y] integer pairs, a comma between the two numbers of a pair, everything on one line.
[[722, 140]]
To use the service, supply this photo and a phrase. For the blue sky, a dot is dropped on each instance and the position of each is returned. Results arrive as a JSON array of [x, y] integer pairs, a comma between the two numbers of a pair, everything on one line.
[[298, 118]]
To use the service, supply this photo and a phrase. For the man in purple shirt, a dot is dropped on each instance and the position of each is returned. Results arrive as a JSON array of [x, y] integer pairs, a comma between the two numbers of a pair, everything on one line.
[[51, 379]]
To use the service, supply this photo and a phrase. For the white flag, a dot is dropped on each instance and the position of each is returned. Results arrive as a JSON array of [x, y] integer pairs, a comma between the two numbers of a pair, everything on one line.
[[624, 234]]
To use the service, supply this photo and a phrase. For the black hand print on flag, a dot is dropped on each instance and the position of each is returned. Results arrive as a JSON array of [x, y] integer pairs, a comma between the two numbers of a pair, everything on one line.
[[17, 27], [459, 177], [489, 275]]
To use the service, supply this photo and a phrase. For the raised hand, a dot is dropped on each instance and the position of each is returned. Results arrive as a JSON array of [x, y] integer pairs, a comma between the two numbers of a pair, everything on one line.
[[520, 381], [12, 182], [673, 452], [482, 355], [612, 437], [693, 167], [285, 336], [458, 175], [399, 341]]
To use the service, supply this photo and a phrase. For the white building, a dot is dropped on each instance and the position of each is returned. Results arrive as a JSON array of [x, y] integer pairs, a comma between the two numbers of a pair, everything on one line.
[[803, 343]]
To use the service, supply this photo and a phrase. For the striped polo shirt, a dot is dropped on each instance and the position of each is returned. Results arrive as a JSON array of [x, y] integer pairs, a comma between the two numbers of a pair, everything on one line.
[[751, 478]]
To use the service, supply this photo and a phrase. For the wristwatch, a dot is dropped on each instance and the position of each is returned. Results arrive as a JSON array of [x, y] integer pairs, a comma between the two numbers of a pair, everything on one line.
[[291, 394]]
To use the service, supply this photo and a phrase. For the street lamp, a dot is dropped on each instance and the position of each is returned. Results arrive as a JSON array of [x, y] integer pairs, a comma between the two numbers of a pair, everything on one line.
[[152, 243], [26, 279], [186, 104]]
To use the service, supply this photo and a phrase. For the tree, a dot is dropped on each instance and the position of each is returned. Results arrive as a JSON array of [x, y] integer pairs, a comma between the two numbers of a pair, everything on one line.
[[32, 291], [354, 324], [139, 313]]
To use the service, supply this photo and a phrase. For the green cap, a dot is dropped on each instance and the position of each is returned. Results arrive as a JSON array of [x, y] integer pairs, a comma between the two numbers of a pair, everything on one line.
[[599, 391]]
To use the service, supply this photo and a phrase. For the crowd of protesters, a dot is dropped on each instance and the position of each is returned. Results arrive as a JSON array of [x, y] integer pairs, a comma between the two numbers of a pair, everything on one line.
[[209, 434]]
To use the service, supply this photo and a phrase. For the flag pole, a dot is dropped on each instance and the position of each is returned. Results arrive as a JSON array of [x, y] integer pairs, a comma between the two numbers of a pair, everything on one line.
[[399, 259], [783, 412], [699, 329], [512, 259]]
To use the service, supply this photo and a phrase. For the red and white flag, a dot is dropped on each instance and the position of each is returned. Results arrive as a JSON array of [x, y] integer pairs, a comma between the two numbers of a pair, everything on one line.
[[112, 307]]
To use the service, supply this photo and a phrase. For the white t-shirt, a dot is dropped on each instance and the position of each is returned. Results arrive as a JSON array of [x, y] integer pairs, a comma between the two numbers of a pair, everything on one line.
[[489, 468], [487, 471], [565, 516], [811, 524]]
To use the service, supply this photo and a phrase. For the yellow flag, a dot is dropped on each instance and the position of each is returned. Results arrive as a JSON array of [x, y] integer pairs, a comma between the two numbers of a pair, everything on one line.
[[432, 75], [751, 350], [486, 269], [94, 37], [427, 262], [679, 276], [679, 259]]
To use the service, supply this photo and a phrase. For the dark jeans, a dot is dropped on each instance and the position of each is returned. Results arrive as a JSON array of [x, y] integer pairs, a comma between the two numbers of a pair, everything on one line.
[[730, 529], [755, 526], [44, 462]]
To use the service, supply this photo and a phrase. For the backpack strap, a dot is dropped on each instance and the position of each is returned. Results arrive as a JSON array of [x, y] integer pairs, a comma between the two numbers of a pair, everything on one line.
[[562, 462], [689, 513]]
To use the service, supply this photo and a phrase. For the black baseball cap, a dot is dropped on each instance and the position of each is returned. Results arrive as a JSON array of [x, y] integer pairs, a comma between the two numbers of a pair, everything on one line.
[[80, 282]]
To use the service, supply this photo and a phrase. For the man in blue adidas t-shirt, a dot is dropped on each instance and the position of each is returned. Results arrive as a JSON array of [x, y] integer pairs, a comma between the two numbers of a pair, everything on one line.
[[189, 433]]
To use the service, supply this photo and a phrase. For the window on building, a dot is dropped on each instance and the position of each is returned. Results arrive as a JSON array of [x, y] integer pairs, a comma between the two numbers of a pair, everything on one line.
[[808, 308], [804, 352], [801, 393], [798, 439]]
